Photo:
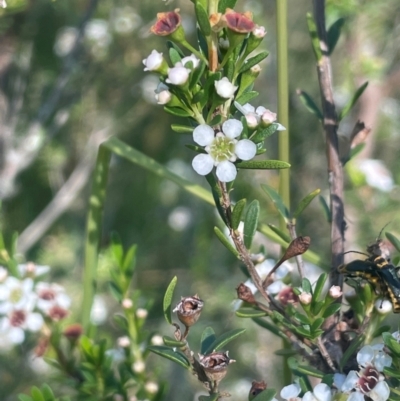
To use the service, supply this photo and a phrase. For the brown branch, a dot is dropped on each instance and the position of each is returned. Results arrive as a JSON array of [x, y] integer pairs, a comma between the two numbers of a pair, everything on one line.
[[335, 168]]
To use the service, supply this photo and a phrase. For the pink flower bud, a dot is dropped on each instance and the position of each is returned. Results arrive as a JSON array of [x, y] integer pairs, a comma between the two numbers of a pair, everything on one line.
[[178, 75], [335, 292], [268, 117], [163, 97], [305, 298]]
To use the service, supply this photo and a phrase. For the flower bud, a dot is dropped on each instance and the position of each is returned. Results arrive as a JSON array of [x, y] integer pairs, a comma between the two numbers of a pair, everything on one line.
[[141, 313], [155, 62], [335, 292], [287, 296], [127, 303], [215, 365], [244, 293], [267, 118], [255, 38], [383, 306], [256, 388], [225, 88], [123, 342], [73, 332], [178, 75], [305, 298], [189, 310], [163, 97]]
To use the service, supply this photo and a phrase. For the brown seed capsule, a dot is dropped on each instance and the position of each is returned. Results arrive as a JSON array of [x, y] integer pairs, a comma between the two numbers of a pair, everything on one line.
[[73, 332], [288, 296], [244, 293], [189, 309], [215, 365], [256, 388]]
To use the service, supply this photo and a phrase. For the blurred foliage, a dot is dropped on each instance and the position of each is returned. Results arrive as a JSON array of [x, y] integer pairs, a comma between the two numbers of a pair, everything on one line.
[[107, 88]]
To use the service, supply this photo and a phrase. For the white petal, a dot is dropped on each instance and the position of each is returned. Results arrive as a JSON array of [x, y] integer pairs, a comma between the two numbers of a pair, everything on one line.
[[260, 110], [245, 149], [380, 392], [203, 164], [309, 396], [226, 171], [34, 321], [323, 392], [365, 355], [350, 381], [276, 287], [381, 360], [16, 335], [338, 379], [232, 128], [280, 127], [291, 391], [203, 135], [356, 396]]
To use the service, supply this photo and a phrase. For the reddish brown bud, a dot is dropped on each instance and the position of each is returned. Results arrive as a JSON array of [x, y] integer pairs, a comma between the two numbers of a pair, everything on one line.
[[41, 346], [237, 22], [215, 365], [73, 332], [189, 309], [244, 293], [257, 388], [167, 23], [287, 296], [297, 247]]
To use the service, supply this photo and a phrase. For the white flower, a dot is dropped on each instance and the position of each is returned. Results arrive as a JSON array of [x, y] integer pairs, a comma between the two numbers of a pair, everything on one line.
[[225, 88], [51, 295], [195, 61], [290, 392], [222, 149], [178, 75], [33, 270], [321, 392], [123, 342], [127, 303], [154, 61], [16, 294], [373, 356], [376, 174]]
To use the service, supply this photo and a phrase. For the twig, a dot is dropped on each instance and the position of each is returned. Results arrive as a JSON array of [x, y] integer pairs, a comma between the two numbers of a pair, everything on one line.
[[335, 168]]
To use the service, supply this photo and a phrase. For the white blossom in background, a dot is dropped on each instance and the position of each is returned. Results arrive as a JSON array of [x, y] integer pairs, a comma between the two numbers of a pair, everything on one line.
[[52, 300], [97, 34], [149, 85], [225, 88], [99, 312], [3, 274], [125, 20], [180, 218], [222, 149], [65, 41], [16, 294], [32, 270], [376, 174]]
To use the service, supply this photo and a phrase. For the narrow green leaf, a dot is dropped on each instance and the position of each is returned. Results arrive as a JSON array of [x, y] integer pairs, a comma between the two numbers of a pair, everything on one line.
[[172, 342], [393, 240], [392, 372], [177, 111], [317, 324], [129, 263], [303, 319], [246, 97], [237, 213], [168, 300], [268, 326], [351, 350], [326, 209], [169, 353], [182, 129], [262, 133], [334, 34], [263, 165], [319, 286], [391, 343], [171, 44], [305, 202], [281, 234], [207, 338], [115, 291], [267, 395], [225, 242], [224, 339], [306, 285], [250, 223], [379, 330], [120, 321], [353, 100], [356, 150], [309, 103], [202, 19], [275, 197], [312, 29], [303, 369], [174, 55], [47, 392], [216, 120], [37, 394], [252, 61], [23, 397], [224, 4], [249, 313], [331, 310], [196, 74]]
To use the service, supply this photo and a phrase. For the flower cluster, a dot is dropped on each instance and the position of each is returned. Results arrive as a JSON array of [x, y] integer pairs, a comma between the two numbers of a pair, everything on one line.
[[26, 304]]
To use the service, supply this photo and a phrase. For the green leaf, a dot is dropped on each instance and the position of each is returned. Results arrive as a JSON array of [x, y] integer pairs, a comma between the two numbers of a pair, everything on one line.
[[331, 310], [115, 291], [317, 324], [117, 248], [326, 209], [237, 213], [351, 350], [207, 338], [379, 330], [47, 392], [224, 339], [262, 133], [306, 285], [202, 19], [263, 165], [172, 342], [310, 105], [120, 321], [173, 45], [225, 242], [286, 352], [275, 197], [252, 61], [356, 150], [281, 234], [250, 223], [312, 29], [177, 111], [23, 397], [168, 300], [174, 55], [391, 343], [392, 372], [196, 74], [353, 100], [169, 353], [334, 34], [303, 369], [305, 202], [267, 395], [303, 319], [224, 4], [393, 240], [269, 326], [319, 286], [249, 313], [37, 394], [246, 97], [129, 263], [216, 120], [182, 129]]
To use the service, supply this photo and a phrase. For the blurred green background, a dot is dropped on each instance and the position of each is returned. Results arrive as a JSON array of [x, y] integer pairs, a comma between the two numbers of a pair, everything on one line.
[[71, 74]]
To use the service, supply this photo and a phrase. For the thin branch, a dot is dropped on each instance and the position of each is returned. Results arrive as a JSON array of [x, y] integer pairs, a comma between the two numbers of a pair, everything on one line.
[[335, 168]]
